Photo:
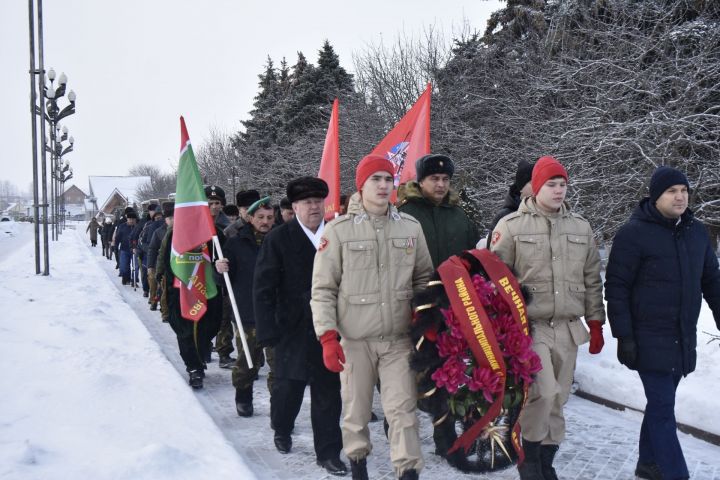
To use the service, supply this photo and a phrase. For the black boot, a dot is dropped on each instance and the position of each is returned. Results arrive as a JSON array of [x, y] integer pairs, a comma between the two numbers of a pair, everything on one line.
[[547, 455], [196, 378], [409, 475], [648, 471], [243, 402], [359, 469], [530, 469]]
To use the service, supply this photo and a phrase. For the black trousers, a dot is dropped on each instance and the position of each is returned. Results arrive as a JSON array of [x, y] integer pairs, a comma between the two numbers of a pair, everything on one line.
[[207, 328], [325, 406]]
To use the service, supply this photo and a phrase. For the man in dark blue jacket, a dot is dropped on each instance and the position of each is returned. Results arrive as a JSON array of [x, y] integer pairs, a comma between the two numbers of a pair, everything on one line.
[[125, 245], [660, 267]]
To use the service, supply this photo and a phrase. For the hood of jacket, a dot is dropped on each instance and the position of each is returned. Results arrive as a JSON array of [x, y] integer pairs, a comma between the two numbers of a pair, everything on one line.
[[528, 205], [647, 212], [413, 193], [356, 209]]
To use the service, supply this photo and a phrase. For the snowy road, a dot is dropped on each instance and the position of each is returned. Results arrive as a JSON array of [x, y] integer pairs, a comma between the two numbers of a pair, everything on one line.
[[94, 396], [601, 442]]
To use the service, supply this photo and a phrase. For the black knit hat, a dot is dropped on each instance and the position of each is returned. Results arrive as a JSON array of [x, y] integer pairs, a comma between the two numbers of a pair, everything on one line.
[[213, 192], [245, 198], [231, 210], [306, 187], [433, 164], [663, 178], [131, 214], [128, 210], [168, 209], [523, 174], [152, 207], [285, 204]]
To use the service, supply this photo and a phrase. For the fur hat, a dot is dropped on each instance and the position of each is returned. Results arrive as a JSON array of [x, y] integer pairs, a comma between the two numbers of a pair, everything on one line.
[[285, 204], [152, 207], [131, 214], [231, 209], [213, 192], [369, 165], [245, 198], [306, 187], [545, 169], [663, 178], [433, 164], [168, 209]]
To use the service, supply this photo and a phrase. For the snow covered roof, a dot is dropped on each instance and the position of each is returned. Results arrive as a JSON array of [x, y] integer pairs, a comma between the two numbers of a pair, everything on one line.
[[102, 188]]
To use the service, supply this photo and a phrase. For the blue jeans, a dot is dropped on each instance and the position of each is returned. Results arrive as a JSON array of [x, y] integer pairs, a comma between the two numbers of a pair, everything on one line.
[[658, 435]]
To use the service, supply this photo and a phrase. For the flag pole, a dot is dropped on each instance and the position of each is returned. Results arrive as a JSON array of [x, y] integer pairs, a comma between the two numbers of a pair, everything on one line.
[[239, 332]]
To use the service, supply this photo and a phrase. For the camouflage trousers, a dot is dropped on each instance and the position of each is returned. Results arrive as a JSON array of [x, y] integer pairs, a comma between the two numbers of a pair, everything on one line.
[[223, 341], [243, 377], [164, 309], [153, 285]]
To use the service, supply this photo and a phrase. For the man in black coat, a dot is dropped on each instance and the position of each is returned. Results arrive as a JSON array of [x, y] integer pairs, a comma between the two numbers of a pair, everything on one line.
[[281, 292], [241, 252], [661, 265]]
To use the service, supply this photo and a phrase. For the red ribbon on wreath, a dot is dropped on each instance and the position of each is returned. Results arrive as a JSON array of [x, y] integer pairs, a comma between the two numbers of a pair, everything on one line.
[[478, 332]]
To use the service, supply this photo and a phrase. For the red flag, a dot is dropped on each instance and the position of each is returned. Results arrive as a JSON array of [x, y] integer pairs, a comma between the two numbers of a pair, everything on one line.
[[408, 140], [330, 165]]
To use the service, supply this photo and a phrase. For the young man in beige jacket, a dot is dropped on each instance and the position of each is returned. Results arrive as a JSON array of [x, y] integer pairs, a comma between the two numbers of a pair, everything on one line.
[[369, 264], [553, 253]]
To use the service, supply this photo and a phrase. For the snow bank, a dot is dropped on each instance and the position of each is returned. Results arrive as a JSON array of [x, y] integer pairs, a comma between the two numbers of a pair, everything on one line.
[[87, 393]]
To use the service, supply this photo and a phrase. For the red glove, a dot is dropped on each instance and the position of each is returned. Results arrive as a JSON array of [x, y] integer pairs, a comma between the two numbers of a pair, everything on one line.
[[333, 355], [596, 336]]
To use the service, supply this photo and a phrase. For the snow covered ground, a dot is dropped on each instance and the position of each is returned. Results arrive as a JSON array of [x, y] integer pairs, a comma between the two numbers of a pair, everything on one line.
[[86, 391], [697, 394], [93, 387]]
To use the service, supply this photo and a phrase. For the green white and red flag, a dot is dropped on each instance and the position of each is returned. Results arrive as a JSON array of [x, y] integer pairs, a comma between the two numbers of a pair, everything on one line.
[[193, 227]]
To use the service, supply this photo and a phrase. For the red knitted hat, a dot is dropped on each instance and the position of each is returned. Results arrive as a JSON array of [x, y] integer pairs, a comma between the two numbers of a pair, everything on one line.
[[369, 165], [545, 169]]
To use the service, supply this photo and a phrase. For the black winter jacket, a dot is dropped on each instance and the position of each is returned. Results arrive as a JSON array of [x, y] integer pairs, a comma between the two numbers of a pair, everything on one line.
[[241, 251], [657, 274]]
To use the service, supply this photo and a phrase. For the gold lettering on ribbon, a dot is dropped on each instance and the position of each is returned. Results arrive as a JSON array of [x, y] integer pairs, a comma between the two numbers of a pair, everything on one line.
[[477, 326], [517, 301]]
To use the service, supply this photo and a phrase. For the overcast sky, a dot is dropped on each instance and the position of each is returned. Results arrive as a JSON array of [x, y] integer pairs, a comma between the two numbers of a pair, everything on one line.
[[136, 66]]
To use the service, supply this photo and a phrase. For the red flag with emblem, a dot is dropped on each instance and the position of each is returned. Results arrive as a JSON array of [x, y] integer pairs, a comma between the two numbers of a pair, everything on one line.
[[408, 140]]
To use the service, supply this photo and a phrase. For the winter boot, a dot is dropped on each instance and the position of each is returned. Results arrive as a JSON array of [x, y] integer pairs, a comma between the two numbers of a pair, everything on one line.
[[358, 468], [547, 455], [226, 361], [531, 469], [196, 379], [409, 475], [243, 402], [648, 471]]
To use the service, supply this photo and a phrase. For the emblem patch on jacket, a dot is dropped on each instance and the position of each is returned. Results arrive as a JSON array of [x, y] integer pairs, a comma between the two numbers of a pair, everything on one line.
[[323, 243], [495, 237]]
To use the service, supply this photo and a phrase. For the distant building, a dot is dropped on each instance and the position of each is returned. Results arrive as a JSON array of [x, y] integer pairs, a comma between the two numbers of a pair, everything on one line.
[[112, 193], [73, 201]]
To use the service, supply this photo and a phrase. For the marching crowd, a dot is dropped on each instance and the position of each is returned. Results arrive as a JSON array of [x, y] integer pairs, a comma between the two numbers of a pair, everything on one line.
[[328, 305]]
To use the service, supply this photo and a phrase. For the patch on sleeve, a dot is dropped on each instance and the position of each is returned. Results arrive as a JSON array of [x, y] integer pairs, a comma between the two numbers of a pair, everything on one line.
[[495, 237], [323, 243]]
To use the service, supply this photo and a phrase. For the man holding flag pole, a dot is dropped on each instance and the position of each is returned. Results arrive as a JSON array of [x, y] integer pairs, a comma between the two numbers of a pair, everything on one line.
[[194, 302]]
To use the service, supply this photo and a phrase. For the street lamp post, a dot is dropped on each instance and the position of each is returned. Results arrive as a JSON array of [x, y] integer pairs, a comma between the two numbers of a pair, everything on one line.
[[53, 115], [60, 174]]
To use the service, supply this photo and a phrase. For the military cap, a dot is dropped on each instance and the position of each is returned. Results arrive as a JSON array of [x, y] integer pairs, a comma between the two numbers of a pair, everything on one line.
[[263, 202], [213, 192]]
